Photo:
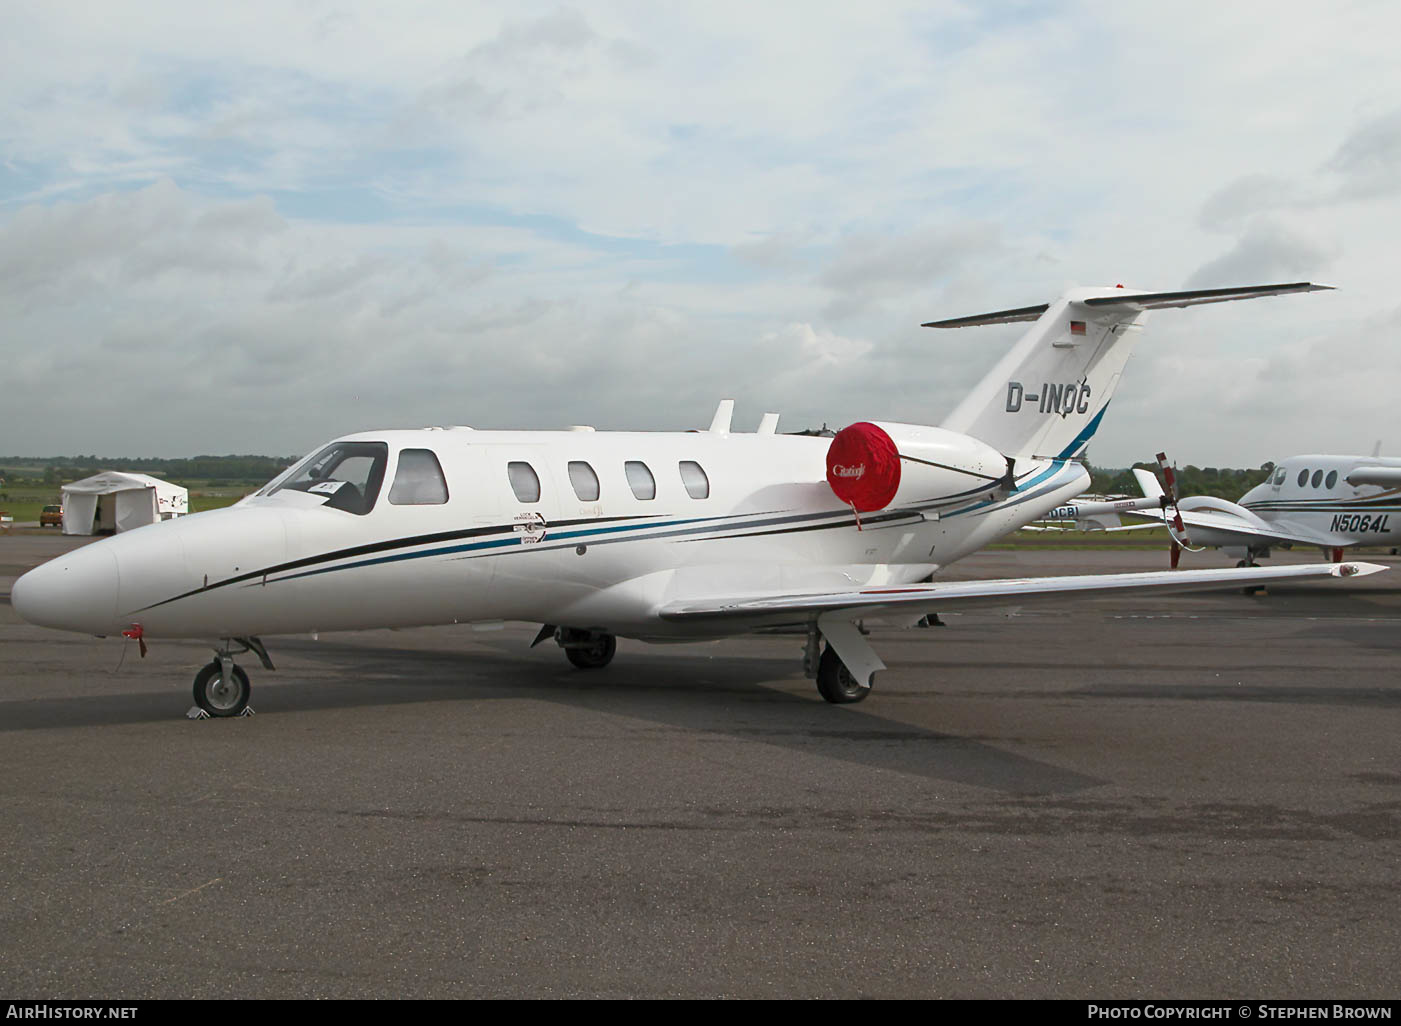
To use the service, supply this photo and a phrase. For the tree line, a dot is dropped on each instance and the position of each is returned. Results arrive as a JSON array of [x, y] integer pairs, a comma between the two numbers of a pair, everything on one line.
[[1221, 482], [57, 469]]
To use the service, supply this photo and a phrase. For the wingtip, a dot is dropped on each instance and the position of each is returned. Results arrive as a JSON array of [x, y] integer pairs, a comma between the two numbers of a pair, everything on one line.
[[1357, 569]]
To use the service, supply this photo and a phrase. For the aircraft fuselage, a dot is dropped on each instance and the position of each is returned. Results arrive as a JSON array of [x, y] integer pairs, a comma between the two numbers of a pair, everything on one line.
[[549, 527], [1312, 495]]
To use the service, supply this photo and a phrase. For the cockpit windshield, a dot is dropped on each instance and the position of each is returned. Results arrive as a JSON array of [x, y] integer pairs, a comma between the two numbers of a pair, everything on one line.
[[349, 474]]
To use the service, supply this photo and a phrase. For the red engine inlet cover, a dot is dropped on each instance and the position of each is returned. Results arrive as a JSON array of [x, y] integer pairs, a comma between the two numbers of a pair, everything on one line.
[[863, 467]]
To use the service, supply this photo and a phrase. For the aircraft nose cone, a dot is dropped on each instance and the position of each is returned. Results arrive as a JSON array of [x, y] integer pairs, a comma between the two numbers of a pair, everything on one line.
[[75, 592]]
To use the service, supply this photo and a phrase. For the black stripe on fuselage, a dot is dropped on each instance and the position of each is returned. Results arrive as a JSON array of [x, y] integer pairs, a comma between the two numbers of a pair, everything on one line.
[[880, 518], [381, 546]]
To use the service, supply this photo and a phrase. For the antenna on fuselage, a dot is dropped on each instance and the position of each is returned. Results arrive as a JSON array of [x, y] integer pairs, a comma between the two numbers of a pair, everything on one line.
[[724, 413]]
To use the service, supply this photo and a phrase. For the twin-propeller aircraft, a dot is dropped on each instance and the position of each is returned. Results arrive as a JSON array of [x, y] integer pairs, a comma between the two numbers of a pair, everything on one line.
[[656, 536], [1329, 502]]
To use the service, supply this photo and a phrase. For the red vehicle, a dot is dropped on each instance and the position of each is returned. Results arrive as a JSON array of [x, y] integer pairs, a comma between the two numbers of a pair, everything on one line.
[[51, 516]]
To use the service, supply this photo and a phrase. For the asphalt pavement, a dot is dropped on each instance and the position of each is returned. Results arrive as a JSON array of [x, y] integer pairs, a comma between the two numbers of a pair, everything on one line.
[[1184, 796]]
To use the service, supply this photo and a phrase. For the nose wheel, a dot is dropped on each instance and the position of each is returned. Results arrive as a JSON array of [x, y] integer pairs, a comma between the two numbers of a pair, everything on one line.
[[222, 691], [222, 688]]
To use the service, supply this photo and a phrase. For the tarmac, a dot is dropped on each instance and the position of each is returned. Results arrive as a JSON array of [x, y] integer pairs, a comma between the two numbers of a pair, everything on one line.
[[1184, 796]]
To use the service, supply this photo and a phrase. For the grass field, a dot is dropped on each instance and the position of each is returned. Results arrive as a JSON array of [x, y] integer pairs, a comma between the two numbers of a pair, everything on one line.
[[25, 502]]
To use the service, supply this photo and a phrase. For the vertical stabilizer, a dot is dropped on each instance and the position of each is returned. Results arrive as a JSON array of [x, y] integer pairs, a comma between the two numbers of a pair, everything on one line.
[[1047, 396]]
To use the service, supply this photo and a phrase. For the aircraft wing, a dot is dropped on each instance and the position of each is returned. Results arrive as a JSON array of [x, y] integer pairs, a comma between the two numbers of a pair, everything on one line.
[[1218, 523], [765, 610]]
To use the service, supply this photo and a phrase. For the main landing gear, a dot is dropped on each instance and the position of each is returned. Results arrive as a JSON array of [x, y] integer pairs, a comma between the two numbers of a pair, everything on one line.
[[1249, 560], [588, 650], [222, 688], [843, 667], [836, 681]]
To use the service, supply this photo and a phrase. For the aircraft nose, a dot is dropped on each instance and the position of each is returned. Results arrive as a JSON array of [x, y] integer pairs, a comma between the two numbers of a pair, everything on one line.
[[75, 592]]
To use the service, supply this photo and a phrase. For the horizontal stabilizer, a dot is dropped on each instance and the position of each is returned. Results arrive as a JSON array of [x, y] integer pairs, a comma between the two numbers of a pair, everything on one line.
[[1136, 300], [1024, 313], [1195, 297]]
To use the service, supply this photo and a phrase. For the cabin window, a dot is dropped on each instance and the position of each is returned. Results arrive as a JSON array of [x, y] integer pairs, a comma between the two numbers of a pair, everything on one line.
[[1317, 478], [693, 477], [347, 474], [524, 481], [419, 480], [640, 479], [584, 480], [1331, 479], [1303, 478]]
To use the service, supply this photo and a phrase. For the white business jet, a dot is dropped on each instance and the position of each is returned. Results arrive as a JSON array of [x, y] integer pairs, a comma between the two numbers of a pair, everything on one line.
[[656, 536], [1329, 502]]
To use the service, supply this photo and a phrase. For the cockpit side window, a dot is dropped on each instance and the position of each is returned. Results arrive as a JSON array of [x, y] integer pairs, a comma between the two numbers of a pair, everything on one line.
[[1279, 476], [349, 474], [419, 480]]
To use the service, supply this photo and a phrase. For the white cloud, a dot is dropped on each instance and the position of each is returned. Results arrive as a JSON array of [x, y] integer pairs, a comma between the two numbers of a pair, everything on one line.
[[277, 223]]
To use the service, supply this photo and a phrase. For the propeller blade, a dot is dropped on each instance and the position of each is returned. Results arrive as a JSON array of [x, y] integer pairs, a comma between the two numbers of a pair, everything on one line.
[[1169, 477], [1177, 529]]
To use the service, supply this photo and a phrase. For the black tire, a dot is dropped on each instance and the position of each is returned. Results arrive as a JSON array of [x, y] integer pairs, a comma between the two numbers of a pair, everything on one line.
[[835, 682], [217, 700], [596, 655]]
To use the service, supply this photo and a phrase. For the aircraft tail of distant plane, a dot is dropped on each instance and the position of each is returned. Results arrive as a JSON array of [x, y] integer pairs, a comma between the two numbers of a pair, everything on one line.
[[1047, 396]]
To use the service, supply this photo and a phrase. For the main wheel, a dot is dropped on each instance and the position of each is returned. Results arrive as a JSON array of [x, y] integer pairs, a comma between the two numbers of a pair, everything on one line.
[[595, 655], [220, 698], [835, 681]]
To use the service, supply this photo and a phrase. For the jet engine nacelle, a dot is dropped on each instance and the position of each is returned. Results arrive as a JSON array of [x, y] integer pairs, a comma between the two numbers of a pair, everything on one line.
[[873, 466]]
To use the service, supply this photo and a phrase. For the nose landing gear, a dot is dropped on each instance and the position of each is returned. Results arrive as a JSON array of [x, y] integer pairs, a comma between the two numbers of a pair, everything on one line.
[[221, 688], [222, 691]]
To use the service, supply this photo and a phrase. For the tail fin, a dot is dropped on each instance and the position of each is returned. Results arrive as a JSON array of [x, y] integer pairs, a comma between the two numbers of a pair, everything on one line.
[[1047, 396], [1148, 483]]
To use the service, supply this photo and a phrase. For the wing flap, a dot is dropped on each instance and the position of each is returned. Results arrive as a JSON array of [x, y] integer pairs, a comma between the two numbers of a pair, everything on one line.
[[763, 609]]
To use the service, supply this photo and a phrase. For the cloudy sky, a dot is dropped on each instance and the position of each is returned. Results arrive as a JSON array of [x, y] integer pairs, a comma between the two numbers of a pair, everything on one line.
[[251, 227]]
